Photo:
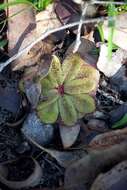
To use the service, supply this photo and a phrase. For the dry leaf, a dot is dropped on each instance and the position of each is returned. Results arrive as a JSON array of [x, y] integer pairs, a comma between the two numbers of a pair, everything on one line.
[[114, 179], [28, 31], [32, 180], [47, 20], [108, 139], [84, 171], [64, 158], [21, 28], [69, 134], [110, 66]]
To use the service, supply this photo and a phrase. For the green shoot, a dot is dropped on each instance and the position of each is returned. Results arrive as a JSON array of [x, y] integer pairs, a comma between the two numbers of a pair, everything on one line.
[[16, 2], [37, 4], [111, 14], [100, 29]]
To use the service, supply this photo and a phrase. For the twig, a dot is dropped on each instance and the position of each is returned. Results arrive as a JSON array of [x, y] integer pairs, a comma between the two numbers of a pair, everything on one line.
[[45, 35], [78, 40], [108, 2]]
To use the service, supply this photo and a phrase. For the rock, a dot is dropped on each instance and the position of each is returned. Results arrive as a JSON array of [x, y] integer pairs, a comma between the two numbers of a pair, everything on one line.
[[110, 66], [119, 82], [33, 128], [98, 125], [117, 113], [69, 134], [114, 179]]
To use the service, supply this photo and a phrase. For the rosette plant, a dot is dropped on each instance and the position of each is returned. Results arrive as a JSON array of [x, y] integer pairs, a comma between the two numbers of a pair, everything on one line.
[[68, 90]]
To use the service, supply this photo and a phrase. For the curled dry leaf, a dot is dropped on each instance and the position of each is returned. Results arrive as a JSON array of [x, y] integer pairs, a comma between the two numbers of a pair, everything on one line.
[[114, 179], [24, 23], [47, 20], [24, 34], [64, 158], [110, 66], [64, 10], [30, 28], [84, 171], [108, 139], [32, 180], [67, 90], [69, 134]]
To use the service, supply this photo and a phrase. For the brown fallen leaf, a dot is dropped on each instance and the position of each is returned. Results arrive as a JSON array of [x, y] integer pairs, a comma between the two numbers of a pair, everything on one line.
[[47, 20], [64, 158], [30, 28], [21, 28], [108, 139], [25, 33], [114, 179], [32, 180], [83, 172]]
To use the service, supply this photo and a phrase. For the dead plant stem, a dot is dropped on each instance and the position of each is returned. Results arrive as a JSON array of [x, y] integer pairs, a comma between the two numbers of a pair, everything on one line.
[[45, 35]]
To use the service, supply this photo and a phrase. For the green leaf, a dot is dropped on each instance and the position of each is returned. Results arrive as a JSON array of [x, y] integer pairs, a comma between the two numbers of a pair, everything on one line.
[[88, 72], [121, 122], [15, 2], [49, 113], [79, 86], [47, 84], [111, 24], [50, 98], [71, 66], [84, 103], [3, 43], [55, 71], [42, 4], [67, 110], [100, 29]]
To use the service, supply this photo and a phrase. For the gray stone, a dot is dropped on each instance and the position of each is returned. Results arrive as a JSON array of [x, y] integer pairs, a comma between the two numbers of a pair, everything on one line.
[[36, 130]]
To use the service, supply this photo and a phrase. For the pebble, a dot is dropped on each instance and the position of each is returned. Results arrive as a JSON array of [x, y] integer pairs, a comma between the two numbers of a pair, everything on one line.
[[36, 130]]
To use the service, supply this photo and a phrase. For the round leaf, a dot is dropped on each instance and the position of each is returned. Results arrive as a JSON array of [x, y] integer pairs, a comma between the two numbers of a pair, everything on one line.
[[67, 110], [79, 86], [71, 66], [49, 113], [84, 103]]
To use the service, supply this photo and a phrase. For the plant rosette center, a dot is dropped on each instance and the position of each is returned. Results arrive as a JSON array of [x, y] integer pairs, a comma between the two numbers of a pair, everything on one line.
[[67, 90], [60, 90]]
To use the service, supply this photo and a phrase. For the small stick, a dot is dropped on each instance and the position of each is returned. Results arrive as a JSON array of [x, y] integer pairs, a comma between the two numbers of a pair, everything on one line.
[[108, 2], [78, 40], [43, 36]]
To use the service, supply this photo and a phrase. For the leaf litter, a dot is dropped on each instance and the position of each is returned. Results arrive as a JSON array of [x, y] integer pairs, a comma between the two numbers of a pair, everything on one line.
[[66, 135]]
